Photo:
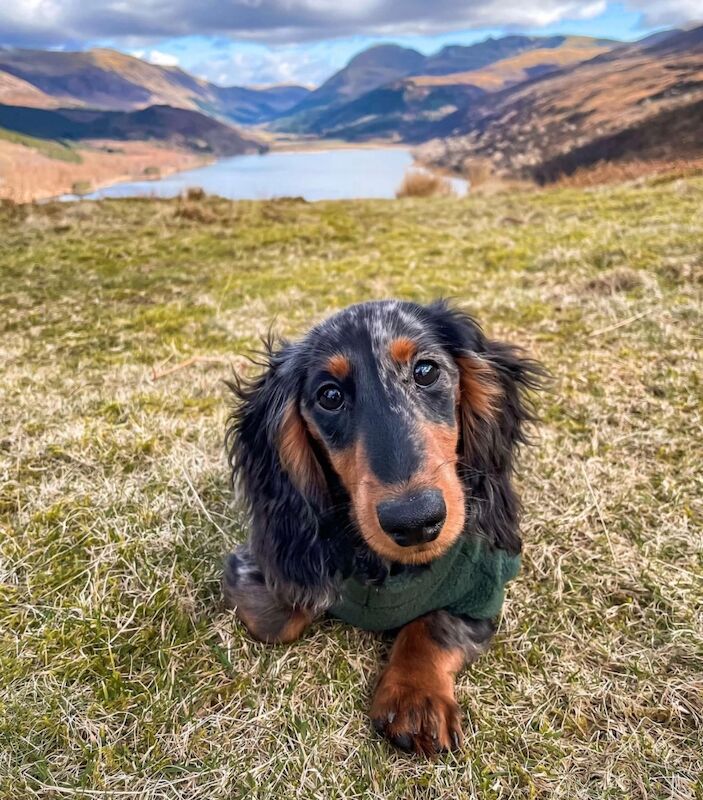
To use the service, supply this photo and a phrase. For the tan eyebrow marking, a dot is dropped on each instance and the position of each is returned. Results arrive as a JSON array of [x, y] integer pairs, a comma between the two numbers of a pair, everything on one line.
[[402, 350], [339, 366]]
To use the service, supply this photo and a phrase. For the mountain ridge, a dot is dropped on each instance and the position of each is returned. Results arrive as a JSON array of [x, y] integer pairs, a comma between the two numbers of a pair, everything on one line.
[[177, 127], [113, 81], [364, 75]]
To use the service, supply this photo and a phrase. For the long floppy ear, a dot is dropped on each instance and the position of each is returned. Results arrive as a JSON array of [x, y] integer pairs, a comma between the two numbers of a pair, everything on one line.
[[493, 409], [283, 484]]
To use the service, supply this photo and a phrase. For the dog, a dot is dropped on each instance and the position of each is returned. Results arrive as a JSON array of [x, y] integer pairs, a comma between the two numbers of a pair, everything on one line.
[[376, 458]]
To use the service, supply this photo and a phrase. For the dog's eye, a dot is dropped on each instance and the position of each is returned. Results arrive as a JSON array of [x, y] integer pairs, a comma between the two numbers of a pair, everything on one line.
[[330, 397], [425, 373]]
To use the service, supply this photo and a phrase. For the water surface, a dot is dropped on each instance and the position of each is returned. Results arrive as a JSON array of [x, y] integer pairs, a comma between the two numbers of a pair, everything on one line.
[[345, 173]]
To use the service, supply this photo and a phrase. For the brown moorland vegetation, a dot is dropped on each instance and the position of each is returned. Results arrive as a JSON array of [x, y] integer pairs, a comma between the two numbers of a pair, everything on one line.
[[27, 174], [588, 108], [424, 183]]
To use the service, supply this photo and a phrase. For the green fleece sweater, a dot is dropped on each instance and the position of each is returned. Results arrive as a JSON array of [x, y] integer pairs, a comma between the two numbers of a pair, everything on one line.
[[468, 579]]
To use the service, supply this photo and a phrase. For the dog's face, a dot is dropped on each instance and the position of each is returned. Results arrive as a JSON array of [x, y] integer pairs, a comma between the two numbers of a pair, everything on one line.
[[384, 402], [400, 418]]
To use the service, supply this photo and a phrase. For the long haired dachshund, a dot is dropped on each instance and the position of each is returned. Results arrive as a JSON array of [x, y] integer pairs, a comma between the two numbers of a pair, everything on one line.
[[376, 457]]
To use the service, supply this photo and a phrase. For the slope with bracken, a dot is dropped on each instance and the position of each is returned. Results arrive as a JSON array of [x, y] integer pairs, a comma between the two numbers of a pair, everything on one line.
[[528, 130]]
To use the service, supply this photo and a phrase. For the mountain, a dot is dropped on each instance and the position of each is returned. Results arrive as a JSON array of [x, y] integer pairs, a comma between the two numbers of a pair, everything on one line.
[[455, 58], [177, 127], [409, 109], [106, 79], [368, 70], [659, 36], [606, 107], [399, 74], [531, 63]]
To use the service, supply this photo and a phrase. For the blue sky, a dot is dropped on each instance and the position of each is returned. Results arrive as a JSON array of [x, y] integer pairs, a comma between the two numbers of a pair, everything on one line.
[[305, 41]]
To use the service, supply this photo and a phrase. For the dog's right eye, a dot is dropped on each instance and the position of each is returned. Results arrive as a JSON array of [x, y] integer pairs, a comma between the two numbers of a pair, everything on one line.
[[330, 397]]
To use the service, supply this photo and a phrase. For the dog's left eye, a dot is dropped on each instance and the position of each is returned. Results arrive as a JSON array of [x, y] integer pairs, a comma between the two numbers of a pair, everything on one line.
[[425, 373], [330, 397]]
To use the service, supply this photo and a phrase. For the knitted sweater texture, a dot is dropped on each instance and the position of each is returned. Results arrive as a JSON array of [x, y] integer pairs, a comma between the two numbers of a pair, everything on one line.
[[469, 579]]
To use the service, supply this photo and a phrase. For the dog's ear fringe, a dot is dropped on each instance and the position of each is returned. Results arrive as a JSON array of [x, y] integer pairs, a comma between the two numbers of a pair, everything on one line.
[[285, 537], [491, 431]]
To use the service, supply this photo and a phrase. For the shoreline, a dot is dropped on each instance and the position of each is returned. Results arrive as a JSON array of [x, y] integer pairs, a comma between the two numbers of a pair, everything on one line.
[[278, 146], [30, 176], [323, 145], [166, 173], [286, 147]]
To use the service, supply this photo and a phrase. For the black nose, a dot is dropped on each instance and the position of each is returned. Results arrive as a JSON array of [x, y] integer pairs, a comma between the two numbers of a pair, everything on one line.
[[414, 518]]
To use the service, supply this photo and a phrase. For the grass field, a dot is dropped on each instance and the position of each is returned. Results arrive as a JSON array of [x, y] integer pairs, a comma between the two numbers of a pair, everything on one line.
[[120, 673]]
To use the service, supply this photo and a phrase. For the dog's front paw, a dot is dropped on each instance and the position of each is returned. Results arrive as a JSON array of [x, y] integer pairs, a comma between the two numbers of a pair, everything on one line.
[[416, 716]]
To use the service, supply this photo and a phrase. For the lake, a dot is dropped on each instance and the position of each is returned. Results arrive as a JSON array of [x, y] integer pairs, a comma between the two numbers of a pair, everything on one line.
[[335, 174]]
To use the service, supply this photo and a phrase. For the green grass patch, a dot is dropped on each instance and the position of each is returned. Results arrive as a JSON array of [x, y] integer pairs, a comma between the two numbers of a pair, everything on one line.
[[47, 147]]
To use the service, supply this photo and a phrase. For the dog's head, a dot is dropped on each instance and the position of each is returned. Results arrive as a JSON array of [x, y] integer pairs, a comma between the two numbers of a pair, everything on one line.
[[404, 416]]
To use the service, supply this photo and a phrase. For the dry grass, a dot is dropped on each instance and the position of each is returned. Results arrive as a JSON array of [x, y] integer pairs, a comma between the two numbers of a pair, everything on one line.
[[477, 172], [424, 183], [605, 172], [120, 673]]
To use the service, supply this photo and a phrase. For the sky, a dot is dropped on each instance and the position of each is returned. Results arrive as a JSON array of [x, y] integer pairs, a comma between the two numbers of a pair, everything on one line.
[[260, 42]]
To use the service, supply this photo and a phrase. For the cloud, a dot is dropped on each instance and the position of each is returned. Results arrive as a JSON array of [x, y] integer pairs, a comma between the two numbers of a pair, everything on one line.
[[156, 57], [46, 22], [161, 59], [668, 13], [247, 64]]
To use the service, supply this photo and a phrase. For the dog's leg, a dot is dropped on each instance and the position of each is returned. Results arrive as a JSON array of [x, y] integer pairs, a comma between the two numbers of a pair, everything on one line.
[[414, 705], [266, 617]]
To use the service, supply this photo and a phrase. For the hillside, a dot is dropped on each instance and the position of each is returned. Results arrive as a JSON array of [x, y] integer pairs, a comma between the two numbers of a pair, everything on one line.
[[175, 126], [527, 130], [382, 66], [38, 169], [122, 675], [404, 110], [668, 137], [47, 153], [109, 80]]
